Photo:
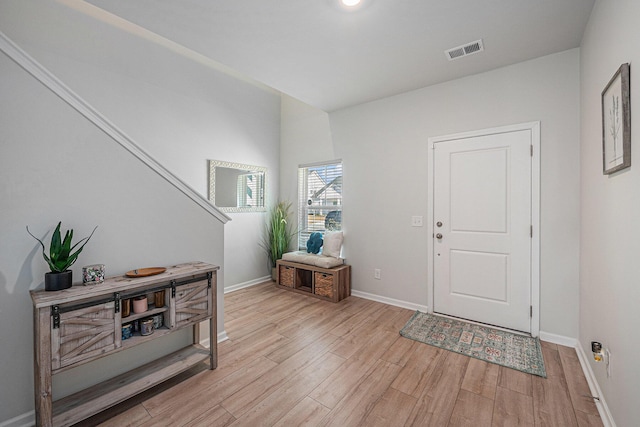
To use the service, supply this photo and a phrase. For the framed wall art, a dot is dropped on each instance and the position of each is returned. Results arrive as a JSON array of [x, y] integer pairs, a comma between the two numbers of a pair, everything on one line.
[[616, 122]]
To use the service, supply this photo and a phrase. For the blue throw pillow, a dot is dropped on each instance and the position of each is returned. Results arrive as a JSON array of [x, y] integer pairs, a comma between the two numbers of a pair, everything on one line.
[[314, 243]]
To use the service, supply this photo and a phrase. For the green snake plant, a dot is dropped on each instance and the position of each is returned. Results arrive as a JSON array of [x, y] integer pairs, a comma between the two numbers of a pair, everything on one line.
[[60, 252]]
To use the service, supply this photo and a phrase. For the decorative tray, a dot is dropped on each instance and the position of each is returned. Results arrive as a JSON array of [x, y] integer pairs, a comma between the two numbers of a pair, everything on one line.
[[143, 272]]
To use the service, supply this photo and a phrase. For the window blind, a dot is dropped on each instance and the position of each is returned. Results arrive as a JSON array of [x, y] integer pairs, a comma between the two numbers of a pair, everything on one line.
[[320, 199]]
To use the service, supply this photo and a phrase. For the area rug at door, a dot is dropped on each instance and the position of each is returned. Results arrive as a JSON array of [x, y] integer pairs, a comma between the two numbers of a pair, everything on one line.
[[481, 342]]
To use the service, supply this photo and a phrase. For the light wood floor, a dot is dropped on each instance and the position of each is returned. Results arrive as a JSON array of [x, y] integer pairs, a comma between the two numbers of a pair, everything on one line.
[[293, 360]]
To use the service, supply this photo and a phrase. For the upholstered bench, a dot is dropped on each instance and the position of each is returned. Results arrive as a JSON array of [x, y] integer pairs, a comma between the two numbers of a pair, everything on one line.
[[322, 276], [321, 261]]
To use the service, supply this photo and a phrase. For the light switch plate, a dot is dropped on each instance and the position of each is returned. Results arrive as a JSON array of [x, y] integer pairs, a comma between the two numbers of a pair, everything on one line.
[[416, 221]]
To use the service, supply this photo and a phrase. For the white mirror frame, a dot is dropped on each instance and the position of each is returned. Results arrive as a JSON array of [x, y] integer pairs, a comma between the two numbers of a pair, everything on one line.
[[213, 164]]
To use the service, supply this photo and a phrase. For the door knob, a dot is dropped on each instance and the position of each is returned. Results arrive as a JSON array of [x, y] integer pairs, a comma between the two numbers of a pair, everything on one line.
[[438, 236]]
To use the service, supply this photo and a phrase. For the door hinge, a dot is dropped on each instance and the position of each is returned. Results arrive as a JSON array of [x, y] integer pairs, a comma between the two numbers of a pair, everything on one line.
[[531, 231], [116, 300], [530, 311], [55, 313], [531, 150]]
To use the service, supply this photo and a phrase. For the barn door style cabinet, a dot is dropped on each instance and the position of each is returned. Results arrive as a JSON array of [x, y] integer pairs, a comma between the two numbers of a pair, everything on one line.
[[84, 323]]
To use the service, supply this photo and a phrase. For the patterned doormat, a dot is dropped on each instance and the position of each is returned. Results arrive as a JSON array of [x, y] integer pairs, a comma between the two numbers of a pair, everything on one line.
[[481, 342]]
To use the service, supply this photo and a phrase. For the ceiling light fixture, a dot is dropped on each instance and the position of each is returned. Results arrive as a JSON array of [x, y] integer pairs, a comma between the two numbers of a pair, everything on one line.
[[350, 3]]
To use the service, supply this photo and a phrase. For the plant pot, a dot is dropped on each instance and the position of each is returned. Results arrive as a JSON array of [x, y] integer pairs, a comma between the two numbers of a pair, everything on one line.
[[58, 281]]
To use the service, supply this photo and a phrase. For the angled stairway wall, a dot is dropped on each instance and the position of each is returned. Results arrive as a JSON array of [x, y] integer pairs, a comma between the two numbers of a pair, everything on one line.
[[55, 164]]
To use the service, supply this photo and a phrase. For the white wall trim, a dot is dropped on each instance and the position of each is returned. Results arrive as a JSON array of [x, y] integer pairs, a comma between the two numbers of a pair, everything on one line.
[[535, 221], [390, 301], [25, 420], [115, 21], [534, 128], [29, 419], [33, 67], [603, 408], [222, 336], [594, 387], [248, 284], [558, 339]]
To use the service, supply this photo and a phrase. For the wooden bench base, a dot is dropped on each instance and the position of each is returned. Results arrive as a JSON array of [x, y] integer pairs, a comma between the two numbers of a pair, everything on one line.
[[330, 284]]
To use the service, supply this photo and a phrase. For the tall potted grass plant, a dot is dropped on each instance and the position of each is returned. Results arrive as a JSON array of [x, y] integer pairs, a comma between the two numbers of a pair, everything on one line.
[[278, 233]]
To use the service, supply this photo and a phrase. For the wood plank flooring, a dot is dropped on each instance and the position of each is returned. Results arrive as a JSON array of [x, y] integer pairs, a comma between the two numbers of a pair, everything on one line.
[[293, 360]]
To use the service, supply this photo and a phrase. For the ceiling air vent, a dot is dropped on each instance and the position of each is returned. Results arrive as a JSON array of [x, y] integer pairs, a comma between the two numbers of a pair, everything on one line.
[[464, 50]]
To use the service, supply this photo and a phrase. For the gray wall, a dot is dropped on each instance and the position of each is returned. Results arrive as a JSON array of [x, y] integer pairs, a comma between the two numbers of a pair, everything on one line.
[[383, 145], [179, 107], [305, 138], [610, 238], [54, 165]]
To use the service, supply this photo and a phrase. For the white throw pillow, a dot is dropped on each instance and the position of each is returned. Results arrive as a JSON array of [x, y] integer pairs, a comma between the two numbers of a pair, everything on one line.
[[332, 244]]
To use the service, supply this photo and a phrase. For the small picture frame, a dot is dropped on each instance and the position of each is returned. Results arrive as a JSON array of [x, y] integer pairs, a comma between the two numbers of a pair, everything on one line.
[[616, 122], [93, 274]]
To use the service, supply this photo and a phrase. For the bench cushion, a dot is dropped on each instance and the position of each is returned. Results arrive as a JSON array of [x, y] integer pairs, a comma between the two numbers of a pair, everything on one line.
[[312, 259]]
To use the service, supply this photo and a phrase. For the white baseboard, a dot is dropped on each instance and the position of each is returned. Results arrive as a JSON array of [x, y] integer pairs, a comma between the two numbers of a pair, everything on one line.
[[29, 419], [390, 301], [248, 284], [24, 420], [222, 336], [603, 408], [558, 339]]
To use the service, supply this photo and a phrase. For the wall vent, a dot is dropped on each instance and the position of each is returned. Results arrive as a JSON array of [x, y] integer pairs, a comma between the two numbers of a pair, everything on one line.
[[464, 50]]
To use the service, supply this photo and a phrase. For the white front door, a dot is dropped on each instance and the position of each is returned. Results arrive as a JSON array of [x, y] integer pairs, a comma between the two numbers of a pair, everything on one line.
[[482, 217]]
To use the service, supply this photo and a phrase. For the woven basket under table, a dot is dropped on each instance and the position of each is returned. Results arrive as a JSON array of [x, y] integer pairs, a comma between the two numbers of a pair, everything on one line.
[[323, 284], [286, 275]]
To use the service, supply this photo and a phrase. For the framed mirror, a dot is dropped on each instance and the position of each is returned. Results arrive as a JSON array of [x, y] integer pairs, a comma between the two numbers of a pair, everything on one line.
[[236, 187]]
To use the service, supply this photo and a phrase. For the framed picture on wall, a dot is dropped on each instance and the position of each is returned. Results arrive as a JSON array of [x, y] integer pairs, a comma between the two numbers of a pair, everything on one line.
[[616, 122]]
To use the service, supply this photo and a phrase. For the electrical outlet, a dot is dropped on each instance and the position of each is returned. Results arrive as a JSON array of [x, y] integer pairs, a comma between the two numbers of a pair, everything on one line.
[[376, 273], [416, 221]]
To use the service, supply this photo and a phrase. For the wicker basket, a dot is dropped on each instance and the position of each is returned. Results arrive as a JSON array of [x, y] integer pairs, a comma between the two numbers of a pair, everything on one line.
[[286, 275], [323, 284]]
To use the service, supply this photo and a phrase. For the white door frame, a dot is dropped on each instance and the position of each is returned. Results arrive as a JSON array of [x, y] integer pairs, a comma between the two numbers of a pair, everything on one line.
[[534, 127]]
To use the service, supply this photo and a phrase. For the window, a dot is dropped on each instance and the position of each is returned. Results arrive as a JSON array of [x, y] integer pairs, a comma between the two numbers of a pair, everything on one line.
[[319, 199], [250, 190]]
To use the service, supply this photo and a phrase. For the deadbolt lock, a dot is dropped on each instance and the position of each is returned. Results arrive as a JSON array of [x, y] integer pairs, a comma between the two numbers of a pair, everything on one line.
[[439, 224]]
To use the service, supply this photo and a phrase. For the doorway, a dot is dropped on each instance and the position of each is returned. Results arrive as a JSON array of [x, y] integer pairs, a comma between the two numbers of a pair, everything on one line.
[[483, 255]]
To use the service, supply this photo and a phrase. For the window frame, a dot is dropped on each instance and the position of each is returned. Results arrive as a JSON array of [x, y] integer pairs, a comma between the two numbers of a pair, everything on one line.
[[323, 210]]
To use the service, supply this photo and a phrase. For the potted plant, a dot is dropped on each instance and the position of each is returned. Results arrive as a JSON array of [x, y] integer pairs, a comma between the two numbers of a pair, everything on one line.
[[278, 233], [60, 258]]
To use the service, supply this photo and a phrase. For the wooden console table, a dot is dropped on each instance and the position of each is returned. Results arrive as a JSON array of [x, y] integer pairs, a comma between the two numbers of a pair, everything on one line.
[[84, 323], [331, 284]]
